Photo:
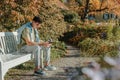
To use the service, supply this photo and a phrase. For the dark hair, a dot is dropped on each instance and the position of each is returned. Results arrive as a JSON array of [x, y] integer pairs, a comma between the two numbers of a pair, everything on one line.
[[37, 19]]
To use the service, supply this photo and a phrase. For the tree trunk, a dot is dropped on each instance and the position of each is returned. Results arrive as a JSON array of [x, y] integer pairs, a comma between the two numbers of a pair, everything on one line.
[[86, 9], [101, 4]]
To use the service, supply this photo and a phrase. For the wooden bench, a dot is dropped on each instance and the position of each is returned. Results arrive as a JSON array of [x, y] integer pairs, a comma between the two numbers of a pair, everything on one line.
[[9, 55]]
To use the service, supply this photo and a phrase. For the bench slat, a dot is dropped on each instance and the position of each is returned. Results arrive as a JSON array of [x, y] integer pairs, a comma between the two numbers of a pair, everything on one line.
[[1, 45], [8, 42], [17, 61], [3, 42], [11, 56]]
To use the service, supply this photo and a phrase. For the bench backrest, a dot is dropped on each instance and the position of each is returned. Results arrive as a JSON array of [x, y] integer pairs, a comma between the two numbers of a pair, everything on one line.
[[8, 42]]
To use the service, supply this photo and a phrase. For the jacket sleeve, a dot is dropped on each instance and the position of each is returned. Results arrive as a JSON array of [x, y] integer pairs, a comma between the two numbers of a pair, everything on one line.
[[25, 34]]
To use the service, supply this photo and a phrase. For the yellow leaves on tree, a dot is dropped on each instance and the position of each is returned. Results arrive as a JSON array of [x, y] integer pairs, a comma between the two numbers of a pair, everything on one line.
[[95, 3], [14, 13]]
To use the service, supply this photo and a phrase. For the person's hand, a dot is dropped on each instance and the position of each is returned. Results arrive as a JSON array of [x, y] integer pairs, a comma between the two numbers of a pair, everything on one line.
[[46, 44]]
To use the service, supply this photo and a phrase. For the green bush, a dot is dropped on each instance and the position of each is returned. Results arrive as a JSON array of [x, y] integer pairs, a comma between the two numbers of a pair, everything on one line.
[[71, 17], [98, 47], [88, 31], [58, 50]]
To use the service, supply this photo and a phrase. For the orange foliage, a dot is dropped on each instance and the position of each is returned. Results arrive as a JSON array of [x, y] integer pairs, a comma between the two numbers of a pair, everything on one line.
[[95, 3], [112, 5], [15, 12]]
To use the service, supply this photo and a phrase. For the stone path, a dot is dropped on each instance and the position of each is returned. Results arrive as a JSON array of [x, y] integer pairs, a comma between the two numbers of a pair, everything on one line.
[[66, 67]]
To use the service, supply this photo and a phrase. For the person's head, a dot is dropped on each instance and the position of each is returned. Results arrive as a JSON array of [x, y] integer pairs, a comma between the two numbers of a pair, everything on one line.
[[36, 22]]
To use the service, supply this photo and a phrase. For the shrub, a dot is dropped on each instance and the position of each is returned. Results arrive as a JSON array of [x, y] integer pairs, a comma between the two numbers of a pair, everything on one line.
[[53, 23], [98, 47], [88, 31], [71, 16]]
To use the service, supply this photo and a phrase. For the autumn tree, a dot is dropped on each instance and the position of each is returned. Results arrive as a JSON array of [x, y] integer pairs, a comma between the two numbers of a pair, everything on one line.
[[84, 7]]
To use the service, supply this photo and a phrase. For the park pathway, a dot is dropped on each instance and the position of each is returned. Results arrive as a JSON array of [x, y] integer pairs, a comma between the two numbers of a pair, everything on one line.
[[67, 67]]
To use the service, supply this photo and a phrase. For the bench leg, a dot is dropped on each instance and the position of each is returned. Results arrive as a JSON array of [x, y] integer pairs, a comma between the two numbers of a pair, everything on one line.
[[1, 72]]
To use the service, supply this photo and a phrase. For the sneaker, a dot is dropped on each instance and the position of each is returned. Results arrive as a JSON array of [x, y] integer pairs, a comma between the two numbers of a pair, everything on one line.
[[50, 68], [39, 72]]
